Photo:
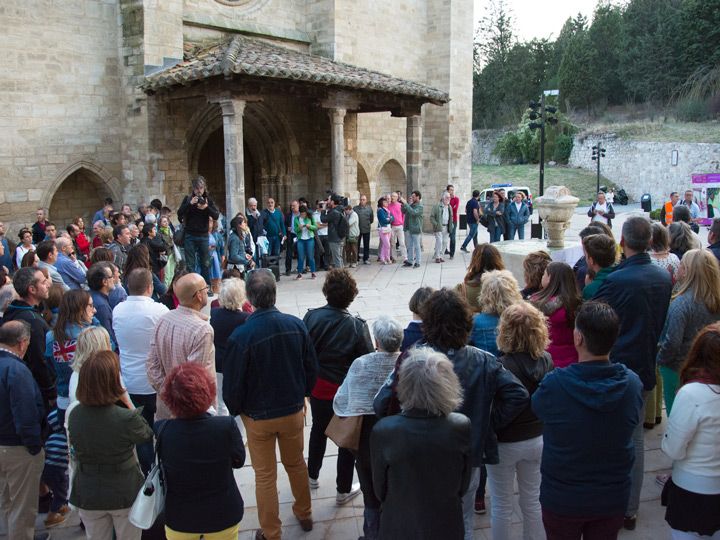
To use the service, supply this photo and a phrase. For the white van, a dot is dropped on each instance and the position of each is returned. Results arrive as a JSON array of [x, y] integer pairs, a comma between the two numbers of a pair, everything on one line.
[[510, 190]]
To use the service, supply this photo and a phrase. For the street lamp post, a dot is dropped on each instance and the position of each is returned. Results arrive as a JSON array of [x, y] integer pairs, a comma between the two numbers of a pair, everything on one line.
[[544, 114], [598, 152]]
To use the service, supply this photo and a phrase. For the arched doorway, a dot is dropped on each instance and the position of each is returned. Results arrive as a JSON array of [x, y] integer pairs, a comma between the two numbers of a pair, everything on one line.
[[363, 184], [211, 165], [80, 194], [391, 178], [270, 152]]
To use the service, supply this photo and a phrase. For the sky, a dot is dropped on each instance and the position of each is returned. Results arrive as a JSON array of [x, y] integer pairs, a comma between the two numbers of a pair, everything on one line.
[[539, 19]]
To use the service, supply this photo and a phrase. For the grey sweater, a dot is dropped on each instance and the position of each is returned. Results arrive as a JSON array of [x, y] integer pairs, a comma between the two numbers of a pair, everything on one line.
[[684, 320]]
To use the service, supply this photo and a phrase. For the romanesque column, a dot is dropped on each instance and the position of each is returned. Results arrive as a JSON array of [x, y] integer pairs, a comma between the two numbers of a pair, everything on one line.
[[413, 137], [232, 113], [337, 138]]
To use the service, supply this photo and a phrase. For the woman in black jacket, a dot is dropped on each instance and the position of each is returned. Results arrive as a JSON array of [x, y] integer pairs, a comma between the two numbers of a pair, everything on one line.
[[495, 212], [522, 340], [156, 247], [421, 457], [339, 338], [198, 453]]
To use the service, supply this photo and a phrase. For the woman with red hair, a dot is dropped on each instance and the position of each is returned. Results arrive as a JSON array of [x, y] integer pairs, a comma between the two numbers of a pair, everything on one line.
[[198, 452]]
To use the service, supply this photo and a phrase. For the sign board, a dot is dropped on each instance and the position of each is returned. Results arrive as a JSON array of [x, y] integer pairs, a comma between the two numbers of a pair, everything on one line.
[[706, 188]]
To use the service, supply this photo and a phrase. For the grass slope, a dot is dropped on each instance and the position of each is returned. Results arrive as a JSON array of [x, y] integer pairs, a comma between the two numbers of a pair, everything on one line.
[[580, 182]]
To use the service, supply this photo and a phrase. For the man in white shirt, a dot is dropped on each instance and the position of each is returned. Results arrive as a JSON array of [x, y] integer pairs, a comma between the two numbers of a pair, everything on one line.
[[134, 323]]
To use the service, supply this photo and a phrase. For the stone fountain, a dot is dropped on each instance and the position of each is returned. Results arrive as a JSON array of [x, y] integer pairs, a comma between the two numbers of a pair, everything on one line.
[[556, 207]]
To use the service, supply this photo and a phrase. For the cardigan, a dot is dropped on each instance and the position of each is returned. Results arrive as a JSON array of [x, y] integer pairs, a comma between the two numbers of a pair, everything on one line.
[[108, 474]]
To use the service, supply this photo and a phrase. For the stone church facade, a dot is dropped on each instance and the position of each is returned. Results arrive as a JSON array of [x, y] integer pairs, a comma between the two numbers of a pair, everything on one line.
[[285, 98]]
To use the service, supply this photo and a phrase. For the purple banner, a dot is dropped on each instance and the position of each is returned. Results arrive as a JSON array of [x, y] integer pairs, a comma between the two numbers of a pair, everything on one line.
[[705, 178]]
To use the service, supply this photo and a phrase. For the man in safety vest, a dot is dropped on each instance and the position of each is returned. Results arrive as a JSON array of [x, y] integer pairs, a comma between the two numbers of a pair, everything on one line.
[[666, 216]]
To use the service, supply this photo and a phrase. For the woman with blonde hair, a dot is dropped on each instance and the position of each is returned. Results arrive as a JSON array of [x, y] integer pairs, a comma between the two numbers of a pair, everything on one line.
[[224, 320], [485, 258], [522, 340], [499, 290], [695, 304]]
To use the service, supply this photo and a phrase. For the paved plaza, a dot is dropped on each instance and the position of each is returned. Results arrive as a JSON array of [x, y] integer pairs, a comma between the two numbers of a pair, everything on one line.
[[386, 290]]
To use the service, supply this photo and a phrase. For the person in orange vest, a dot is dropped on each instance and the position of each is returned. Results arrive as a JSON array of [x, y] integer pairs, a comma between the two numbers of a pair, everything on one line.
[[666, 216]]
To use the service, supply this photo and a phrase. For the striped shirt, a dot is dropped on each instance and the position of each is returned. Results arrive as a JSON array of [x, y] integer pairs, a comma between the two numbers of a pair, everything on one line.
[[56, 446]]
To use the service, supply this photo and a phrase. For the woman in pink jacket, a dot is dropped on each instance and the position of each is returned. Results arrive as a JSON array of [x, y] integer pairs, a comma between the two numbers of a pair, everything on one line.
[[559, 299]]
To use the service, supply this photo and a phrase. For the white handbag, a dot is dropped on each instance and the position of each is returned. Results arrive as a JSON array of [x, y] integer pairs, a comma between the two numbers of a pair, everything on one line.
[[150, 500]]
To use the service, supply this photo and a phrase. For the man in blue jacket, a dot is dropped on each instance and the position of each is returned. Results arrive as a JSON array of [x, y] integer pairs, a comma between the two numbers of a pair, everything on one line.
[[518, 215], [21, 418], [639, 292], [589, 412], [269, 368]]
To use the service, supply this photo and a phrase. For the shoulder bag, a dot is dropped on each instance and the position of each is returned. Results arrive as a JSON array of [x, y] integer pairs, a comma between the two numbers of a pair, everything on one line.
[[150, 500], [345, 431]]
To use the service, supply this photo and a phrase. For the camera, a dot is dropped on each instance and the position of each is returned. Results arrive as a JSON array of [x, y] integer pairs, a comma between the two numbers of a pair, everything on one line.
[[201, 200]]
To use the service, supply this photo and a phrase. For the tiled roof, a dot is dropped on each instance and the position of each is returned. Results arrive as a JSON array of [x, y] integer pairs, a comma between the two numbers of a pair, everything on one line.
[[250, 57]]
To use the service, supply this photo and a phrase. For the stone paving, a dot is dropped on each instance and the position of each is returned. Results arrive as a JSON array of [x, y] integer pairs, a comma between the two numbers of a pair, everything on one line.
[[386, 290]]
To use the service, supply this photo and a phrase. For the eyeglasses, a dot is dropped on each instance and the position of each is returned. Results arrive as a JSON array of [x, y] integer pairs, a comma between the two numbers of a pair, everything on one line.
[[205, 288], [91, 306]]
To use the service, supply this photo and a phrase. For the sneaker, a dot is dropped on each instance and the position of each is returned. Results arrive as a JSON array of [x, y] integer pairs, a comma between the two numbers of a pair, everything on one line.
[[313, 276], [480, 506], [299, 276], [342, 498], [438, 260], [629, 523], [64, 510], [314, 483], [353, 265], [407, 264], [366, 262], [442, 260], [416, 265], [464, 250], [53, 519], [661, 479]]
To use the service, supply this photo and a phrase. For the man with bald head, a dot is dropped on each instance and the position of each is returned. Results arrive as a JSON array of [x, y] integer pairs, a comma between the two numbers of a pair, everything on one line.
[[66, 265], [181, 335]]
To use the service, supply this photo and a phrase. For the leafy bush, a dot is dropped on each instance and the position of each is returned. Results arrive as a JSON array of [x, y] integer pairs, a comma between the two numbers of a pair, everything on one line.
[[692, 110], [508, 148], [563, 148]]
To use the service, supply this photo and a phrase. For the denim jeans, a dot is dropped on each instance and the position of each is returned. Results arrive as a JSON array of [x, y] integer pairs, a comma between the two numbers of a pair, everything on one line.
[[274, 242], [322, 412], [197, 255], [520, 231], [145, 451], [56, 478], [468, 503], [496, 232], [414, 253], [306, 253], [452, 240], [471, 235], [521, 459]]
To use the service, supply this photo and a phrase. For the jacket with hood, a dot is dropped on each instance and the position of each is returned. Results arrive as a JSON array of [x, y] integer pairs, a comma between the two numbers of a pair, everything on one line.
[[529, 371], [589, 411], [34, 358]]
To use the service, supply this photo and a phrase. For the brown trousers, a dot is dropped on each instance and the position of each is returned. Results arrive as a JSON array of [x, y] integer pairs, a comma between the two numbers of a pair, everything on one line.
[[262, 436]]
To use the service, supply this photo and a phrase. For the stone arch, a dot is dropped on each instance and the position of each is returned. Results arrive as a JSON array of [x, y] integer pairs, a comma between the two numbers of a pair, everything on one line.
[[79, 190], [271, 152], [363, 183], [391, 177]]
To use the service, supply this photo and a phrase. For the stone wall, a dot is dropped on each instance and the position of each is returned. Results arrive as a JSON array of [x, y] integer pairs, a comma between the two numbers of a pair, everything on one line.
[[61, 111], [483, 145], [646, 167]]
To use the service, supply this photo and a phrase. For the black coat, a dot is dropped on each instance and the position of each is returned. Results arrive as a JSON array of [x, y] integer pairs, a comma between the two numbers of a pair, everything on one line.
[[195, 220], [421, 469], [224, 322], [639, 292], [339, 338], [199, 456]]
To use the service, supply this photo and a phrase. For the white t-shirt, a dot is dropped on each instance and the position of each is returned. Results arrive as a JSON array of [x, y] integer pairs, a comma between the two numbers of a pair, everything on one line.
[[602, 207], [322, 227], [134, 323]]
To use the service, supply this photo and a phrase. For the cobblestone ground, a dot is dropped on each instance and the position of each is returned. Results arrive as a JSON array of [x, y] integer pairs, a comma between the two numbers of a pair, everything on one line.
[[386, 290]]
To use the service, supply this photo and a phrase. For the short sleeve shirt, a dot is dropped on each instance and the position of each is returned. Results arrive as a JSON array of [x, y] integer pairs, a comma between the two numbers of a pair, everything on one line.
[[471, 205]]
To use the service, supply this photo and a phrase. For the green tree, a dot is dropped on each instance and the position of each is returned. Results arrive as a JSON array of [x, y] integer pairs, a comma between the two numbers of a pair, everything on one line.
[[578, 76], [606, 36]]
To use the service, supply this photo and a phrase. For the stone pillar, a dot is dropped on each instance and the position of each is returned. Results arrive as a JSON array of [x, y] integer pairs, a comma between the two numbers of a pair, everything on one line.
[[337, 138], [232, 113], [414, 151]]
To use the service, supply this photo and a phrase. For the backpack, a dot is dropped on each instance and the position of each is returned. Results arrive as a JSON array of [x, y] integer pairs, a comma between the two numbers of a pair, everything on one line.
[[343, 227]]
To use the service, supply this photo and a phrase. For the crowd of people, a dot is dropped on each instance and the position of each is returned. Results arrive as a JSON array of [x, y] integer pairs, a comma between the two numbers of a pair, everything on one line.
[[109, 363]]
